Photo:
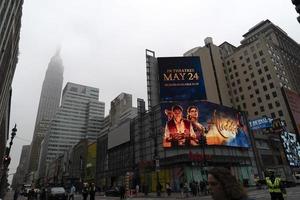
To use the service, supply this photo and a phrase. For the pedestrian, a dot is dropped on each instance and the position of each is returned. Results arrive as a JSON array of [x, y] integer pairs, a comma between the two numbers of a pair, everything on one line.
[[145, 189], [186, 189], [72, 192], [168, 189], [224, 186], [85, 191], [122, 192], [16, 194], [92, 191], [137, 189], [181, 189], [202, 187], [158, 189], [43, 194], [275, 186]]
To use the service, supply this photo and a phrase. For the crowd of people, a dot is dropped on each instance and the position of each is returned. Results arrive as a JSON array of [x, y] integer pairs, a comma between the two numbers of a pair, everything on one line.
[[220, 184]]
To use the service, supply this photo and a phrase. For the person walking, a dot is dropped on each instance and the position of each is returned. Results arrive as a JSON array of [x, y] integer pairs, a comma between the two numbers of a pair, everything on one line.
[[72, 192], [275, 186], [92, 191], [122, 192], [16, 194], [224, 186], [43, 194], [85, 191], [168, 189], [137, 189]]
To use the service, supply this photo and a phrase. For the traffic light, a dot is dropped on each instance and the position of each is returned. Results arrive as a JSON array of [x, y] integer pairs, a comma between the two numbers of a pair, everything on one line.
[[297, 7], [6, 161]]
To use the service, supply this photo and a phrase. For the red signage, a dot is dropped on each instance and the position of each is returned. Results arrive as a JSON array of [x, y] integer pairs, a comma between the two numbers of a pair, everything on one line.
[[199, 156]]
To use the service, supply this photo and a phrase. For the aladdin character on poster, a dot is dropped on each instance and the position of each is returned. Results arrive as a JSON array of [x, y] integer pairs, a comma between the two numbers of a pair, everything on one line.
[[179, 131]]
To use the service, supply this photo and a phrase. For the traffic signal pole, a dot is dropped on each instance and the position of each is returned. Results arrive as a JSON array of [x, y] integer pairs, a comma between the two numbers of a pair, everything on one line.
[[5, 163]]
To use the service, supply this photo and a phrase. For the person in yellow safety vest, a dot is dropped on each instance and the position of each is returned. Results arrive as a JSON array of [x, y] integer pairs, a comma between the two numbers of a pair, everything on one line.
[[274, 184]]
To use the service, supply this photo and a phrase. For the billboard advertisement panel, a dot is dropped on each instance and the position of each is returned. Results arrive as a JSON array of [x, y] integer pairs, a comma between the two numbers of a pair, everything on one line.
[[291, 148], [184, 123], [293, 99], [181, 79], [260, 123]]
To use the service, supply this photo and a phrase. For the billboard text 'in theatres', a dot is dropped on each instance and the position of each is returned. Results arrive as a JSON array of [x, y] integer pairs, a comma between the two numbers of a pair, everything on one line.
[[181, 79]]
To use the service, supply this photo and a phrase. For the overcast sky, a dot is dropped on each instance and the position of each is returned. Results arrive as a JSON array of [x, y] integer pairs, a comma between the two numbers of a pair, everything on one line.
[[103, 43]]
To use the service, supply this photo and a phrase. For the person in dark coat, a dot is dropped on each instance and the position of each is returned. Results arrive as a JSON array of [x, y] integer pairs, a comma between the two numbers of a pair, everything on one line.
[[85, 191], [92, 191]]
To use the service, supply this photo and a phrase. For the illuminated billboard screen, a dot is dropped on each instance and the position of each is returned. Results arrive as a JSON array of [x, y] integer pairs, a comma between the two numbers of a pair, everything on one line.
[[293, 99], [260, 123], [184, 123], [181, 79], [292, 148]]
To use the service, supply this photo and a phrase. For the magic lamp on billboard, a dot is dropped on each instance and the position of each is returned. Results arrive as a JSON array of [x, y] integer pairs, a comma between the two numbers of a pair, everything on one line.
[[184, 123]]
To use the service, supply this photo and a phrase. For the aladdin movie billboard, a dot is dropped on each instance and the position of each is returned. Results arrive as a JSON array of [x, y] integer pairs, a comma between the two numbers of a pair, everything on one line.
[[292, 148], [181, 79], [184, 123]]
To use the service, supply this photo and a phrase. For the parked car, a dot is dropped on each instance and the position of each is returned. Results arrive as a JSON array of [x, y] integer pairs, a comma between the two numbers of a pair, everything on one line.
[[56, 193], [113, 192]]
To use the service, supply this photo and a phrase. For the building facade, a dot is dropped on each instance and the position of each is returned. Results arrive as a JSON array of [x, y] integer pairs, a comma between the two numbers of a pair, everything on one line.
[[79, 117], [19, 176], [10, 25], [48, 105]]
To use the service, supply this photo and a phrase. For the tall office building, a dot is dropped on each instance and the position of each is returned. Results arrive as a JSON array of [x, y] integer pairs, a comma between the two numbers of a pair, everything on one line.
[[10, 25], [266, 61], [19, 176], [256, 72], [79, 116], [48, 105]]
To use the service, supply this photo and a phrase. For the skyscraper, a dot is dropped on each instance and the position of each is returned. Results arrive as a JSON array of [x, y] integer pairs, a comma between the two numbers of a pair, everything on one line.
[[79, 116], [254, 72], [10, 25], [48, 105]]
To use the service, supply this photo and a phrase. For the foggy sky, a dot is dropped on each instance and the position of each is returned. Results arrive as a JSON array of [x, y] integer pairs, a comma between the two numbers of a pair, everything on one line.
[[103, 43]]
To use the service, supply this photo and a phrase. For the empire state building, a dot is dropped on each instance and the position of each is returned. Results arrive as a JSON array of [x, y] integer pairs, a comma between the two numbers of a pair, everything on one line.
[[48, 105]]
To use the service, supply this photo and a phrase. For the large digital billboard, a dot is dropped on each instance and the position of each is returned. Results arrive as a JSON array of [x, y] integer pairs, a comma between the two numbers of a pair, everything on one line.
[[184, 123], [293, 99], [181, 79], [292, 148]]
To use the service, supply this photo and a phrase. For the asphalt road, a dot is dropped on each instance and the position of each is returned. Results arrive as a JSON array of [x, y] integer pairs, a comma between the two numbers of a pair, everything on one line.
[[292, 194]]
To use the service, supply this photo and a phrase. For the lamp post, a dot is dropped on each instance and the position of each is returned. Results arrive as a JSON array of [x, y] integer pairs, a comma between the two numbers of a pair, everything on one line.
[[5, 163]]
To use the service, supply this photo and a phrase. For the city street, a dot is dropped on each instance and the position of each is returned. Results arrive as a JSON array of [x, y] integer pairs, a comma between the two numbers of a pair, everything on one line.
[[292, 194]]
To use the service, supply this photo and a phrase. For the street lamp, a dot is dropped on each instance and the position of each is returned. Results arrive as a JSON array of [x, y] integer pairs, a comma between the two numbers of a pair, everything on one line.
[[5, 163]]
